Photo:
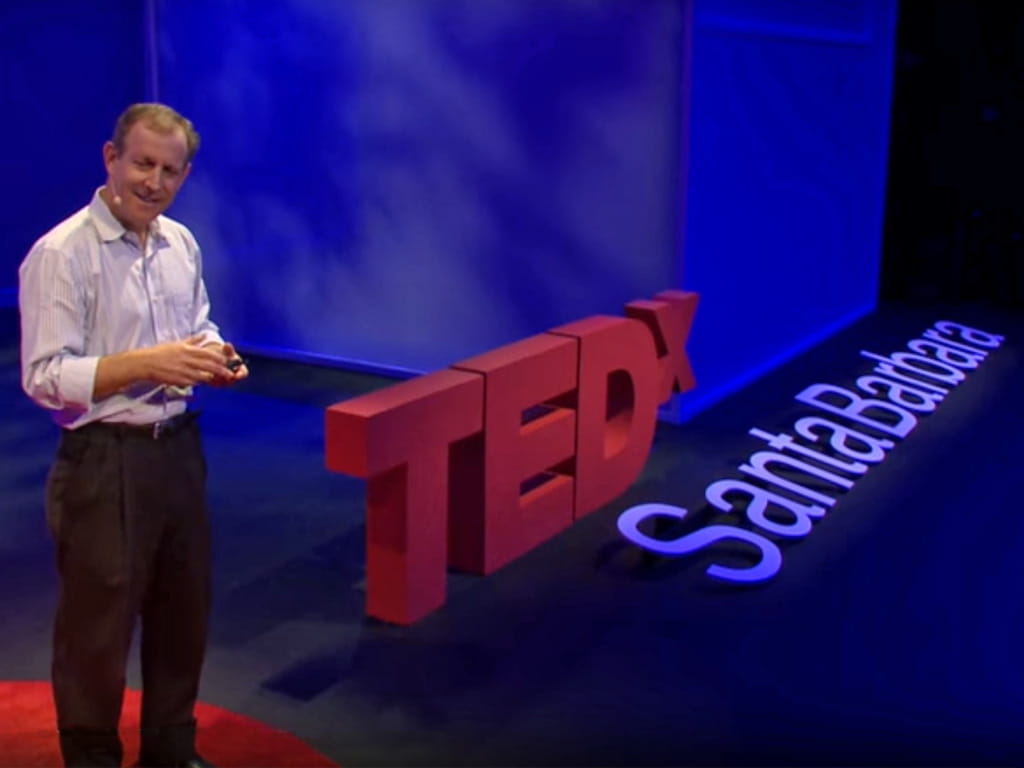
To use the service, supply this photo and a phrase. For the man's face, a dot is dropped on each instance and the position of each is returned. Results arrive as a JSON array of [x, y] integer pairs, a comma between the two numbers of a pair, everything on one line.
[[146, 175]]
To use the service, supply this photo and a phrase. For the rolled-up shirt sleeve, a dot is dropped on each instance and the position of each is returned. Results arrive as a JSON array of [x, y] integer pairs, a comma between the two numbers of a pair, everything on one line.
[[55, 371]]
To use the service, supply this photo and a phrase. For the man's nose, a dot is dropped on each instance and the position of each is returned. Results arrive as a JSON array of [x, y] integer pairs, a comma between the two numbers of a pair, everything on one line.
[[153, 178]]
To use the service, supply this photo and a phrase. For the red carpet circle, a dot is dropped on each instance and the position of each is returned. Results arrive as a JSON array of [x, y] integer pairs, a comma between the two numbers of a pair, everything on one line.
[[28, 736]]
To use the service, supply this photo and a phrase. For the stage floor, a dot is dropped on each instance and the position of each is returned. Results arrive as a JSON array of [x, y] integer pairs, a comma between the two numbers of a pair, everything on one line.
[[891, 636]]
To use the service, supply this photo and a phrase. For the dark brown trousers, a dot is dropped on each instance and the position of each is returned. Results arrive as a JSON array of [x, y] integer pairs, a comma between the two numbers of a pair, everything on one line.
[[127, 511]]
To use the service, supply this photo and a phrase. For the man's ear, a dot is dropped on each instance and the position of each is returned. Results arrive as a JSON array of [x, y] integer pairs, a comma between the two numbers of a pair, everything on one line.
[[185, 172], [109, 155]]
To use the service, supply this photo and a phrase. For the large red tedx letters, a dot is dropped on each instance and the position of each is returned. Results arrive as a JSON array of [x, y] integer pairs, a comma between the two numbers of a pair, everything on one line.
[[473, 466]]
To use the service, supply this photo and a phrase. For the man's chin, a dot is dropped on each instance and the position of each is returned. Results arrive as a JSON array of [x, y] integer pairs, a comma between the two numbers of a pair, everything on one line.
[[142, 210]]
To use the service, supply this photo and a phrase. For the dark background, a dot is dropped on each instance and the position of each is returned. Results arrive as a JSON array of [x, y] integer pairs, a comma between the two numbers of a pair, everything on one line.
[[955, 202]]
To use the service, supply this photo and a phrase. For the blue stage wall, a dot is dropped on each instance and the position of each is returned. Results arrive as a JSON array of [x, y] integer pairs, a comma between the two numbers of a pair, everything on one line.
[[399, 184], [788, 153], [67, 69], [406, 183]]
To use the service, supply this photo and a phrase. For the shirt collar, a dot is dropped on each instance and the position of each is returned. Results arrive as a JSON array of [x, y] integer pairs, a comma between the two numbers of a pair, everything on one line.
[[109, 227]]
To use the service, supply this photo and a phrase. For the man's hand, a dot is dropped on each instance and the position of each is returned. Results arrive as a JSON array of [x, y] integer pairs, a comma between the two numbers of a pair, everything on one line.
[[234, 375], [184, 363], [180, 363]]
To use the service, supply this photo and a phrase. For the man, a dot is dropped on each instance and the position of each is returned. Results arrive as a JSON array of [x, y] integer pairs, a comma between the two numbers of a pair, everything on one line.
[[115, 334]]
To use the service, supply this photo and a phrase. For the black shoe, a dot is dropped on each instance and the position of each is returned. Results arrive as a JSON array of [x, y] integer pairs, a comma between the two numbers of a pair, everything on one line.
[[195, 762], [90, 748], [171, 746]]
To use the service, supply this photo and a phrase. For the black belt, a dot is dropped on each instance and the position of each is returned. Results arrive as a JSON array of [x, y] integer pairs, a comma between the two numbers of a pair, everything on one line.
[[158, 430]]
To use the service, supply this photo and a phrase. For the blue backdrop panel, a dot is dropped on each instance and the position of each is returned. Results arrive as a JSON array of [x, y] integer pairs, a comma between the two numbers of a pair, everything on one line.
[[788, 153], [406, 183], [67, 69]]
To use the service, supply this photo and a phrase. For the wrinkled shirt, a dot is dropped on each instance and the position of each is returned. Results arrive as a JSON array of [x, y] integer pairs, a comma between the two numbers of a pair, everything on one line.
[[86, 290]]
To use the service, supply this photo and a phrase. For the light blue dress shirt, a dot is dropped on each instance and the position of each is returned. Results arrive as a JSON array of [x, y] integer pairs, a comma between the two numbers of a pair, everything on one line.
[[86, 290]]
